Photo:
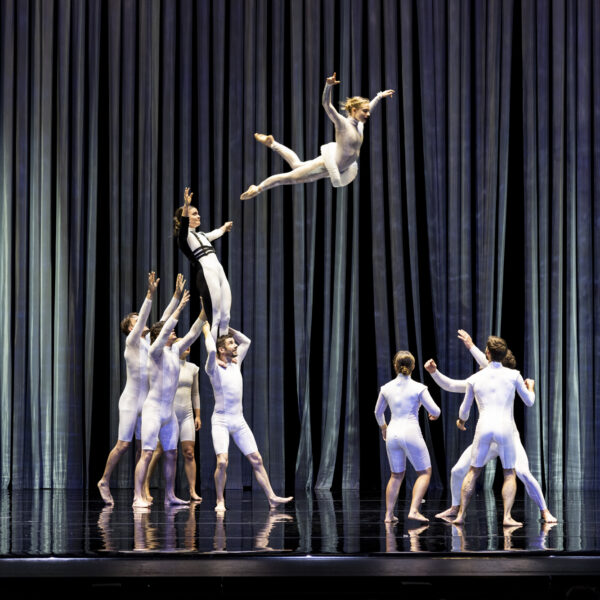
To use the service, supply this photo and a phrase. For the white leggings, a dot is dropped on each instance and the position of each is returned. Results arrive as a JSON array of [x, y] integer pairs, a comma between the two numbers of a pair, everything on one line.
[[460, 469], [220, 294], [302, 171]]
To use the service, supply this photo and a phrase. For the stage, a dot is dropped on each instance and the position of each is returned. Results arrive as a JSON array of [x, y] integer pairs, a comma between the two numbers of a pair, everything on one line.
[[318, 543]]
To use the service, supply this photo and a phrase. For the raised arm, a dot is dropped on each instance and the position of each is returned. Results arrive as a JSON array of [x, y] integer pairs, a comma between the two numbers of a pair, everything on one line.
[[140, 324], [189, 338], [375, 101], [179, 287], [158, 345], [243, 343], [333, 114], [217, 233], [211, 349], [476, 353], [526, 390]]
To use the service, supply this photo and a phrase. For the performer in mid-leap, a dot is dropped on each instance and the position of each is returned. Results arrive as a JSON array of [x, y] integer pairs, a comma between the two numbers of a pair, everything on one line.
[[338, 159], [223, 368], [403, 437], [460, 469], [211, 281], [132, 399]]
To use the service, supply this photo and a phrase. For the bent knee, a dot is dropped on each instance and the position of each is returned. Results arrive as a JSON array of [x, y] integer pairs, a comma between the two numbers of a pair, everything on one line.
[[256, 459], [399, 475]]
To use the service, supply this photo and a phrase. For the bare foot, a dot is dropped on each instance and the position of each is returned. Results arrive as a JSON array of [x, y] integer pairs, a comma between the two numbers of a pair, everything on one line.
[[275, 501], [267, 140], [105, 492], [148, 497], [449, 512], [460, 520], [390, 518], [175, 501], [194, 496], [220, 507], [140, 503], [510, 522], [250, 193], [417, 516], [548, 517]]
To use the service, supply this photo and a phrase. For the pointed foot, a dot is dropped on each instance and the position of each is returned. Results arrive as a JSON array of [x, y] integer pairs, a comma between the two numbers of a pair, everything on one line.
[[104, 490], [276, 501], [251, 192], [265, 139]]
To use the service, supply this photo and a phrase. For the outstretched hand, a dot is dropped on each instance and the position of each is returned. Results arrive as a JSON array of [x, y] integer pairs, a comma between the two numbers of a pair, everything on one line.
[[152, 283], [430, 366], [332, 80], [179, 285], [226, 227], [187, 196], [185, 298], [465, 338], [388, 93]]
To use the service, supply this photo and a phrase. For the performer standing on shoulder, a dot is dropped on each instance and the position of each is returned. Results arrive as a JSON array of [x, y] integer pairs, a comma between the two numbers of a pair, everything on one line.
[[338, 159], [211, 281], [403, 437], [223, 366]]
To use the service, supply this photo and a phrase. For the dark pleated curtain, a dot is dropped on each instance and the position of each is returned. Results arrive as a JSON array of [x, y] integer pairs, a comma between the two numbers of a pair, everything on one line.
[[475, 207]]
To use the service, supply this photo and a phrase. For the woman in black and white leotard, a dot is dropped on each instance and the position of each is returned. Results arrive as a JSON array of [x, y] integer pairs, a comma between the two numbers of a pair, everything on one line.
[[211, 281], [338, 159]]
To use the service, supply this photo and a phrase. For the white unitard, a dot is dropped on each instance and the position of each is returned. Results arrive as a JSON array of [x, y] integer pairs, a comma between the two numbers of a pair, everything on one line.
[[460, 469], [187, 397], [136, 361], [493, 388], [158, 416], [210, 276], [228, 386], [337, 160], [403, 436]]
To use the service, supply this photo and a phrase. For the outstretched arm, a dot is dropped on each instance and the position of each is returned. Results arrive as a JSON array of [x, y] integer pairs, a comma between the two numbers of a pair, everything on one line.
[[140, 324], [477, 354], [243, 343], [217, 233], [334, 115], [179, 287], [375, 101], [447, 384], [211, 349]]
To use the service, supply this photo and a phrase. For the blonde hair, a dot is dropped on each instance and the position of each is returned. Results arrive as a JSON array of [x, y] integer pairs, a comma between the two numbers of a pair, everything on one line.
[[404, 362], [354, 102]]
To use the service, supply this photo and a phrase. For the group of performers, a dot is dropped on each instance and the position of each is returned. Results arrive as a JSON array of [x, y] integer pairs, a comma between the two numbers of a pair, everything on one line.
[[493, 388], [161, 405]]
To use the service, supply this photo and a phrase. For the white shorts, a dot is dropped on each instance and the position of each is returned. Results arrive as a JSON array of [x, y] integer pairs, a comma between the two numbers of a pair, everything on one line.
[[154, 429], [223, 425], [185, 419], [404, 441]]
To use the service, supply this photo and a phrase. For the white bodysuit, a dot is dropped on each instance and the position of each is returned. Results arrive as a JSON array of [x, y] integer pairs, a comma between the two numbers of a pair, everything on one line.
[[187, 397], [337, 160], [228, 387], [158, 416], [460, 469], [210, 276], [493, 388], [403, 436], [136, 362]]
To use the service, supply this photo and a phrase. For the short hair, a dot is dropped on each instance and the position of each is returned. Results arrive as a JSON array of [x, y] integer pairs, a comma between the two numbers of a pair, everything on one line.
[[497, 348], [509, 361], [404, 362], [222, 339], [155, 330], [126, 322]]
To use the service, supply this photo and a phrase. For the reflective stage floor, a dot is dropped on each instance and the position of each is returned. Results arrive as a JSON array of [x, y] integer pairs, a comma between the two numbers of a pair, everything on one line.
[[56, 538]]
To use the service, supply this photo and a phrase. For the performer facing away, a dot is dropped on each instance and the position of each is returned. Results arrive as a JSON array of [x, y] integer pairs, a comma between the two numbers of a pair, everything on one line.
[[403, 436], [187, 398], [158, 418], [493, 388], [211, 281], [136, 387], [338, 159], [228, 417], [460, 469]]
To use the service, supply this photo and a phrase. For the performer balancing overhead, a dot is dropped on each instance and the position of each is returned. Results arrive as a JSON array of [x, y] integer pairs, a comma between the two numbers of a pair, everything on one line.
[[338, 159]]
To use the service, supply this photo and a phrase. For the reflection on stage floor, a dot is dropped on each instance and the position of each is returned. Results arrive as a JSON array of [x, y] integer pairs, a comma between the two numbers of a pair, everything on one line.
[[43, 523]]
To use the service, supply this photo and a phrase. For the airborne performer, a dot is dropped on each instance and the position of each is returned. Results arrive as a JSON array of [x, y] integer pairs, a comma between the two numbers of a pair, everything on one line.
[[338, 159]]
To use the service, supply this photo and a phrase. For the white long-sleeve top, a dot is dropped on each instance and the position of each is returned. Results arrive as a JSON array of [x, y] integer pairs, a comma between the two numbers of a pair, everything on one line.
[[187, 387], [227, 382], [459, 386], [404, 396], [493, 388]]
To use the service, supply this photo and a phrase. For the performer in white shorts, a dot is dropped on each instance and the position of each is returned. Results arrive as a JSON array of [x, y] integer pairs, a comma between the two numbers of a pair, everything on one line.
[[494, 390], [338, 159], [223, 368], [132, 399], [460, 469], [158, 418], [211, 282], [403, 437], [187, 398]]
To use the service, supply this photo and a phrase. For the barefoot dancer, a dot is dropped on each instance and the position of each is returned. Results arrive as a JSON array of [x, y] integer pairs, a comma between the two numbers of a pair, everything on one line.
[[223, 368], [187, 398], [460, 469], [338, 159], [211, 281], [158, 418], [136, 387], [493, 388], [403, 437]]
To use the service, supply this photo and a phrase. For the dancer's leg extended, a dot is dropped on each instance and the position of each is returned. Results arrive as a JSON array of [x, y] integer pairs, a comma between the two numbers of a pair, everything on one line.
[[263, 479]]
